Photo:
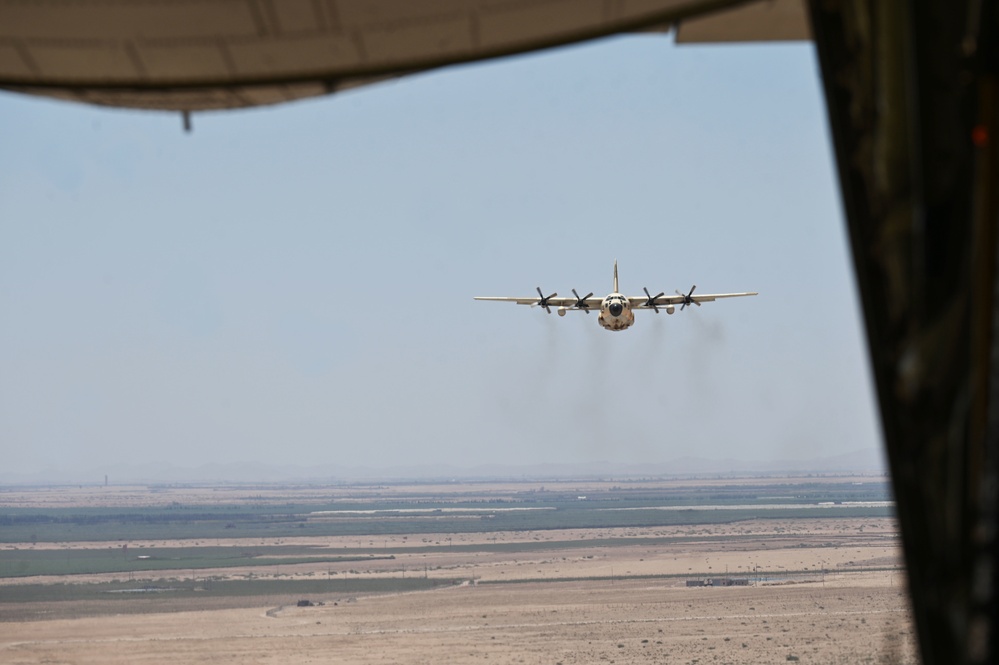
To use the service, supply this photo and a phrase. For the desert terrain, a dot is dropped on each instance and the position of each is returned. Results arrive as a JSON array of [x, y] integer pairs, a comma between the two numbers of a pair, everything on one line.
[[828, 589]]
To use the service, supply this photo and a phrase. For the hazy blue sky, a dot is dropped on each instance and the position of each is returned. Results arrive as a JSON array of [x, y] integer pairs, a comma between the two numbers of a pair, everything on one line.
[[293, 285]]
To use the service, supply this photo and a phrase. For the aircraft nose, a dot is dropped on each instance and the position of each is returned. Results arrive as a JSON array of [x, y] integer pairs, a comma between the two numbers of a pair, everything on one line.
[[616, 309]]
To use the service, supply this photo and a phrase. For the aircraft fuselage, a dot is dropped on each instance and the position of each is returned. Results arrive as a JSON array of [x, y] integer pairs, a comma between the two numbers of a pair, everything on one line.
[[616, 312]]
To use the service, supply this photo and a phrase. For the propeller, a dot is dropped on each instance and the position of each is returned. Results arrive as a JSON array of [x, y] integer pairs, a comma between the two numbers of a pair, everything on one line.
[[651, 302], [543, 301], [687, 300], [581, 302]]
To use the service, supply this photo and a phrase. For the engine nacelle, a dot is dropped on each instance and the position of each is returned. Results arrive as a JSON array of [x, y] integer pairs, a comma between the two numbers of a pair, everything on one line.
[[561, 311], [670, 309]]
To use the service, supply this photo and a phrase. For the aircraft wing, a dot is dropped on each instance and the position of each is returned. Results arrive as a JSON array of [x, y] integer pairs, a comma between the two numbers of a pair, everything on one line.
[[641, 302], [568, 303]]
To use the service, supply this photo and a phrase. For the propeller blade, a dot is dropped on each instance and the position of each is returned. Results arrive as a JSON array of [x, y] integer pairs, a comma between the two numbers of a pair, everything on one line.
[[581, 302], [687, 299], [651, 300], [692, 293], [543, 301]]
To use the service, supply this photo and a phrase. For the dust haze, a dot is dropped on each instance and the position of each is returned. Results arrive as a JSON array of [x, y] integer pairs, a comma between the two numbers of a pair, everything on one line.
[[603, 395]]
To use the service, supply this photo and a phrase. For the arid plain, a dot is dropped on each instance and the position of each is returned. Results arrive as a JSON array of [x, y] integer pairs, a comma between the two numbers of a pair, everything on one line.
[[822, 589]]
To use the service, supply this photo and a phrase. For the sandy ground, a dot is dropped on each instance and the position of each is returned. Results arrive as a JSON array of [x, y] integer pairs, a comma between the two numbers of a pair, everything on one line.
[[844, 603], [568, 622], [827, 590]]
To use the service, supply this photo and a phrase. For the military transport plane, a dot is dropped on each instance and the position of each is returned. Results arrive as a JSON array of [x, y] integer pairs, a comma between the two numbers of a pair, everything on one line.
[[617, 312]]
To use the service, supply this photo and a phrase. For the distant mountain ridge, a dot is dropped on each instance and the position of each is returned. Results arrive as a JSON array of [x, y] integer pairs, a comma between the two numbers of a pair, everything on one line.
[[859, 462]]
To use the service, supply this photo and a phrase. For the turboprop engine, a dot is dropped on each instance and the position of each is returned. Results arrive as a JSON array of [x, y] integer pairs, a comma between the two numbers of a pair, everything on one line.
[[652, 301]]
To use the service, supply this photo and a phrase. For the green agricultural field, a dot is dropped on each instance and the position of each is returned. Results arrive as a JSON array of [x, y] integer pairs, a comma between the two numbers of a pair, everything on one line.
[[140, 550], [29, 562], [422, 513], [124, 592]]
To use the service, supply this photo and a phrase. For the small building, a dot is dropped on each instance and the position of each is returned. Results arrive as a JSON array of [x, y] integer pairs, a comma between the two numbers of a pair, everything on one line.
[[728, 581]]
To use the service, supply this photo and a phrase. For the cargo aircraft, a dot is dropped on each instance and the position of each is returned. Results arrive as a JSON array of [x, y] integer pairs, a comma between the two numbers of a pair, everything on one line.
[[616, 311]]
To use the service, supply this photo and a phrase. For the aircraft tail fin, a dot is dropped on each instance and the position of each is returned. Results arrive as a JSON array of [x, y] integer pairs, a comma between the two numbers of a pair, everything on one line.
[[615, 277]]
